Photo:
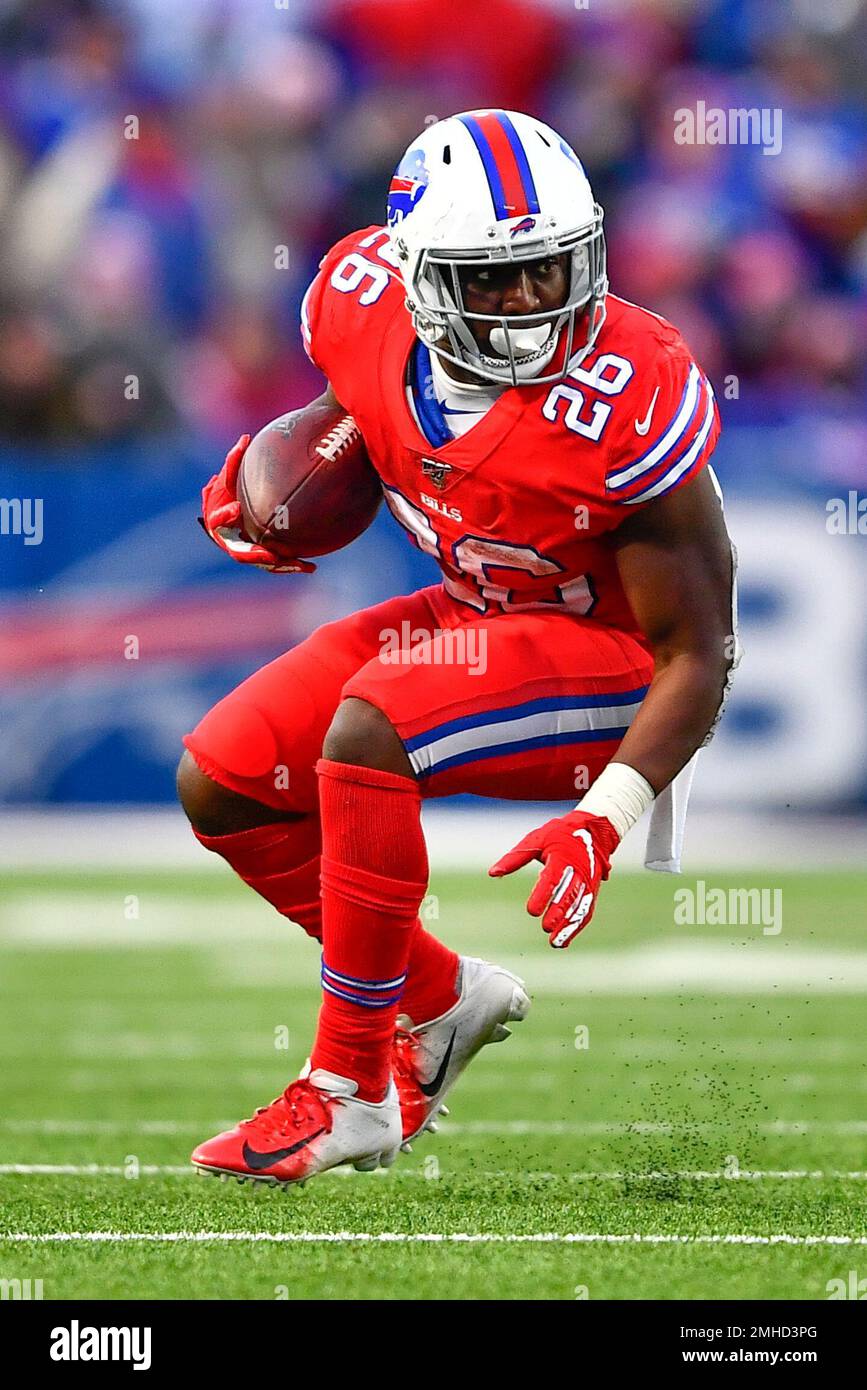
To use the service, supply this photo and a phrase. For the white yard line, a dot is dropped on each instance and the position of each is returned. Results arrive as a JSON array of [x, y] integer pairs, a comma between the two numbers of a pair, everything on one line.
[[185, 1170], [411, 1238], [95, 1170]]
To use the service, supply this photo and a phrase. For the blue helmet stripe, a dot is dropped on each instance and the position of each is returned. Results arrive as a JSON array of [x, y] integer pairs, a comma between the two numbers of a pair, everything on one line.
[[521, 160], [495, 183]]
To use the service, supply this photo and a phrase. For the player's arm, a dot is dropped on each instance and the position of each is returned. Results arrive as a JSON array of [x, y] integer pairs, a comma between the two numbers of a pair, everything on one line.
[[221, 511], [675, 563]]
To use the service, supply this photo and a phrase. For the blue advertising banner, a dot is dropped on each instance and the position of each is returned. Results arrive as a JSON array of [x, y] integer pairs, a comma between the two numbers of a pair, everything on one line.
[[120, 624]]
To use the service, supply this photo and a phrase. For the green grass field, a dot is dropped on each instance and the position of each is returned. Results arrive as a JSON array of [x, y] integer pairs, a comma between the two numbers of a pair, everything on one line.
[[689, 1084]]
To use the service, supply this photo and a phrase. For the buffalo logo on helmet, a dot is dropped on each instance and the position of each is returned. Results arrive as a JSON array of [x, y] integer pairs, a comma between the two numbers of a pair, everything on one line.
[[407, 187], [525, 225]]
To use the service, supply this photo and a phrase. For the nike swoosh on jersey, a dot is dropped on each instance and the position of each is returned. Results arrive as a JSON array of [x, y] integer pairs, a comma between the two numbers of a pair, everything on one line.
[[642, 426], [256, 1160], [430, 1088]]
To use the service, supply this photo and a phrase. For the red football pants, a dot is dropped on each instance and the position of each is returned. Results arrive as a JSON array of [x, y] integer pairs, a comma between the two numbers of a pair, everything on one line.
[[526, 706]]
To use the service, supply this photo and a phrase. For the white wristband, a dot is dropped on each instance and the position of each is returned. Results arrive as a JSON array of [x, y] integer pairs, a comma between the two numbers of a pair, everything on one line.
[[621, 794]]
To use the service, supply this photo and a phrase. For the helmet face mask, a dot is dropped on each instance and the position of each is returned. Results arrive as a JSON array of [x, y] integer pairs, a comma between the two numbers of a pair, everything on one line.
[[443, 222], [442, 319]]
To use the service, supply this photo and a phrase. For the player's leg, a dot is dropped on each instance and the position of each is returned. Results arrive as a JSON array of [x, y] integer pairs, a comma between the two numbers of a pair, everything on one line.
[[374, 876], [244, 782], [531, 709], [585, 683], [248, 784], [247, 778], [536, 714]]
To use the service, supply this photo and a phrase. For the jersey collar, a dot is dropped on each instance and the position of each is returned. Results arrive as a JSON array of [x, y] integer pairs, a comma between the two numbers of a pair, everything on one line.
[[465, 452], [427, 407]]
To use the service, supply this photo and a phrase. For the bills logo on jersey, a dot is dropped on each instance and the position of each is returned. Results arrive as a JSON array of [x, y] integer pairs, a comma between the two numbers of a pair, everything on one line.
[[436, 505], [407, 187], [525, 225]]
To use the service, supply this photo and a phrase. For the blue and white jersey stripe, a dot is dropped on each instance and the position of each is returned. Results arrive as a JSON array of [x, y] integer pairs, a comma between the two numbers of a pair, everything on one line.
[[518, 728], [667, 444], [682, 465]]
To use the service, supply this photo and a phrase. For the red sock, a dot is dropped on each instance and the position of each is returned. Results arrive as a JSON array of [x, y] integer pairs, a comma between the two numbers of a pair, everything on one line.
[[432, 978], [374, 876], [259, 856]]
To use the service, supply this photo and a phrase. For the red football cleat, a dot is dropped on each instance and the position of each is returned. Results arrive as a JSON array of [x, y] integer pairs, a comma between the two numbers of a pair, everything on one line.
[[414, 1104], [427, 1059], [316, 1124]]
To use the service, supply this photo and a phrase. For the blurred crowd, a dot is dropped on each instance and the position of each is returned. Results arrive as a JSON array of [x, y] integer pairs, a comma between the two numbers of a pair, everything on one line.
[[171, 173]]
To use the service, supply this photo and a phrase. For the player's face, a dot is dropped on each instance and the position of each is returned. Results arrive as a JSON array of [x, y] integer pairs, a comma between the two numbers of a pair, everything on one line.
[[513, 290]]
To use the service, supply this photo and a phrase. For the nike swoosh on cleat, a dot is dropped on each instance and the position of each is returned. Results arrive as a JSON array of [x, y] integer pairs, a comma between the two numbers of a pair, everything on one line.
[[430, 1088], [257, 1161], [642, 426]]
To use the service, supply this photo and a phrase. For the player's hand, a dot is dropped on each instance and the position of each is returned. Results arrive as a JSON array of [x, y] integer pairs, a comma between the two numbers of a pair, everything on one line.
[[575, 850], [221, 519]]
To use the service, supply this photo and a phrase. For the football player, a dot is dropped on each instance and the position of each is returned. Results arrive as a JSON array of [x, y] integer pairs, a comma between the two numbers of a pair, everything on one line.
[[547, 443]]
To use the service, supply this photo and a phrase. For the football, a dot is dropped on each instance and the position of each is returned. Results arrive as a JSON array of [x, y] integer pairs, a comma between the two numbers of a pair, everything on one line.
[[306, 485]]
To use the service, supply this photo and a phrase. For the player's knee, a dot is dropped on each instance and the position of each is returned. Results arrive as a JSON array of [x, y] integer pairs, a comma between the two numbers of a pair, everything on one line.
[[199, 796], [215, 810], [361, 734]]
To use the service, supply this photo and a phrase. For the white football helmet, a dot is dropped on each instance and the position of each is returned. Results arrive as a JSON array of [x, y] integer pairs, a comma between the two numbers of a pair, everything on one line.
[[485, 187]]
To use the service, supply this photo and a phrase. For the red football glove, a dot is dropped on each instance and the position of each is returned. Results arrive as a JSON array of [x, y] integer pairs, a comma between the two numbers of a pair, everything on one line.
[[221, 518], [575, 850]]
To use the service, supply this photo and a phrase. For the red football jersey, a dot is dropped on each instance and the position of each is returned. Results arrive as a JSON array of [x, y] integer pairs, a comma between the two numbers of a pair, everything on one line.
[[519, 511]]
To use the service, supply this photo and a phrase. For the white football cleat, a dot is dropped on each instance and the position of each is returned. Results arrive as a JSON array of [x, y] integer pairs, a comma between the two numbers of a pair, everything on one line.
[[429, 1057], [316, 1124]]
